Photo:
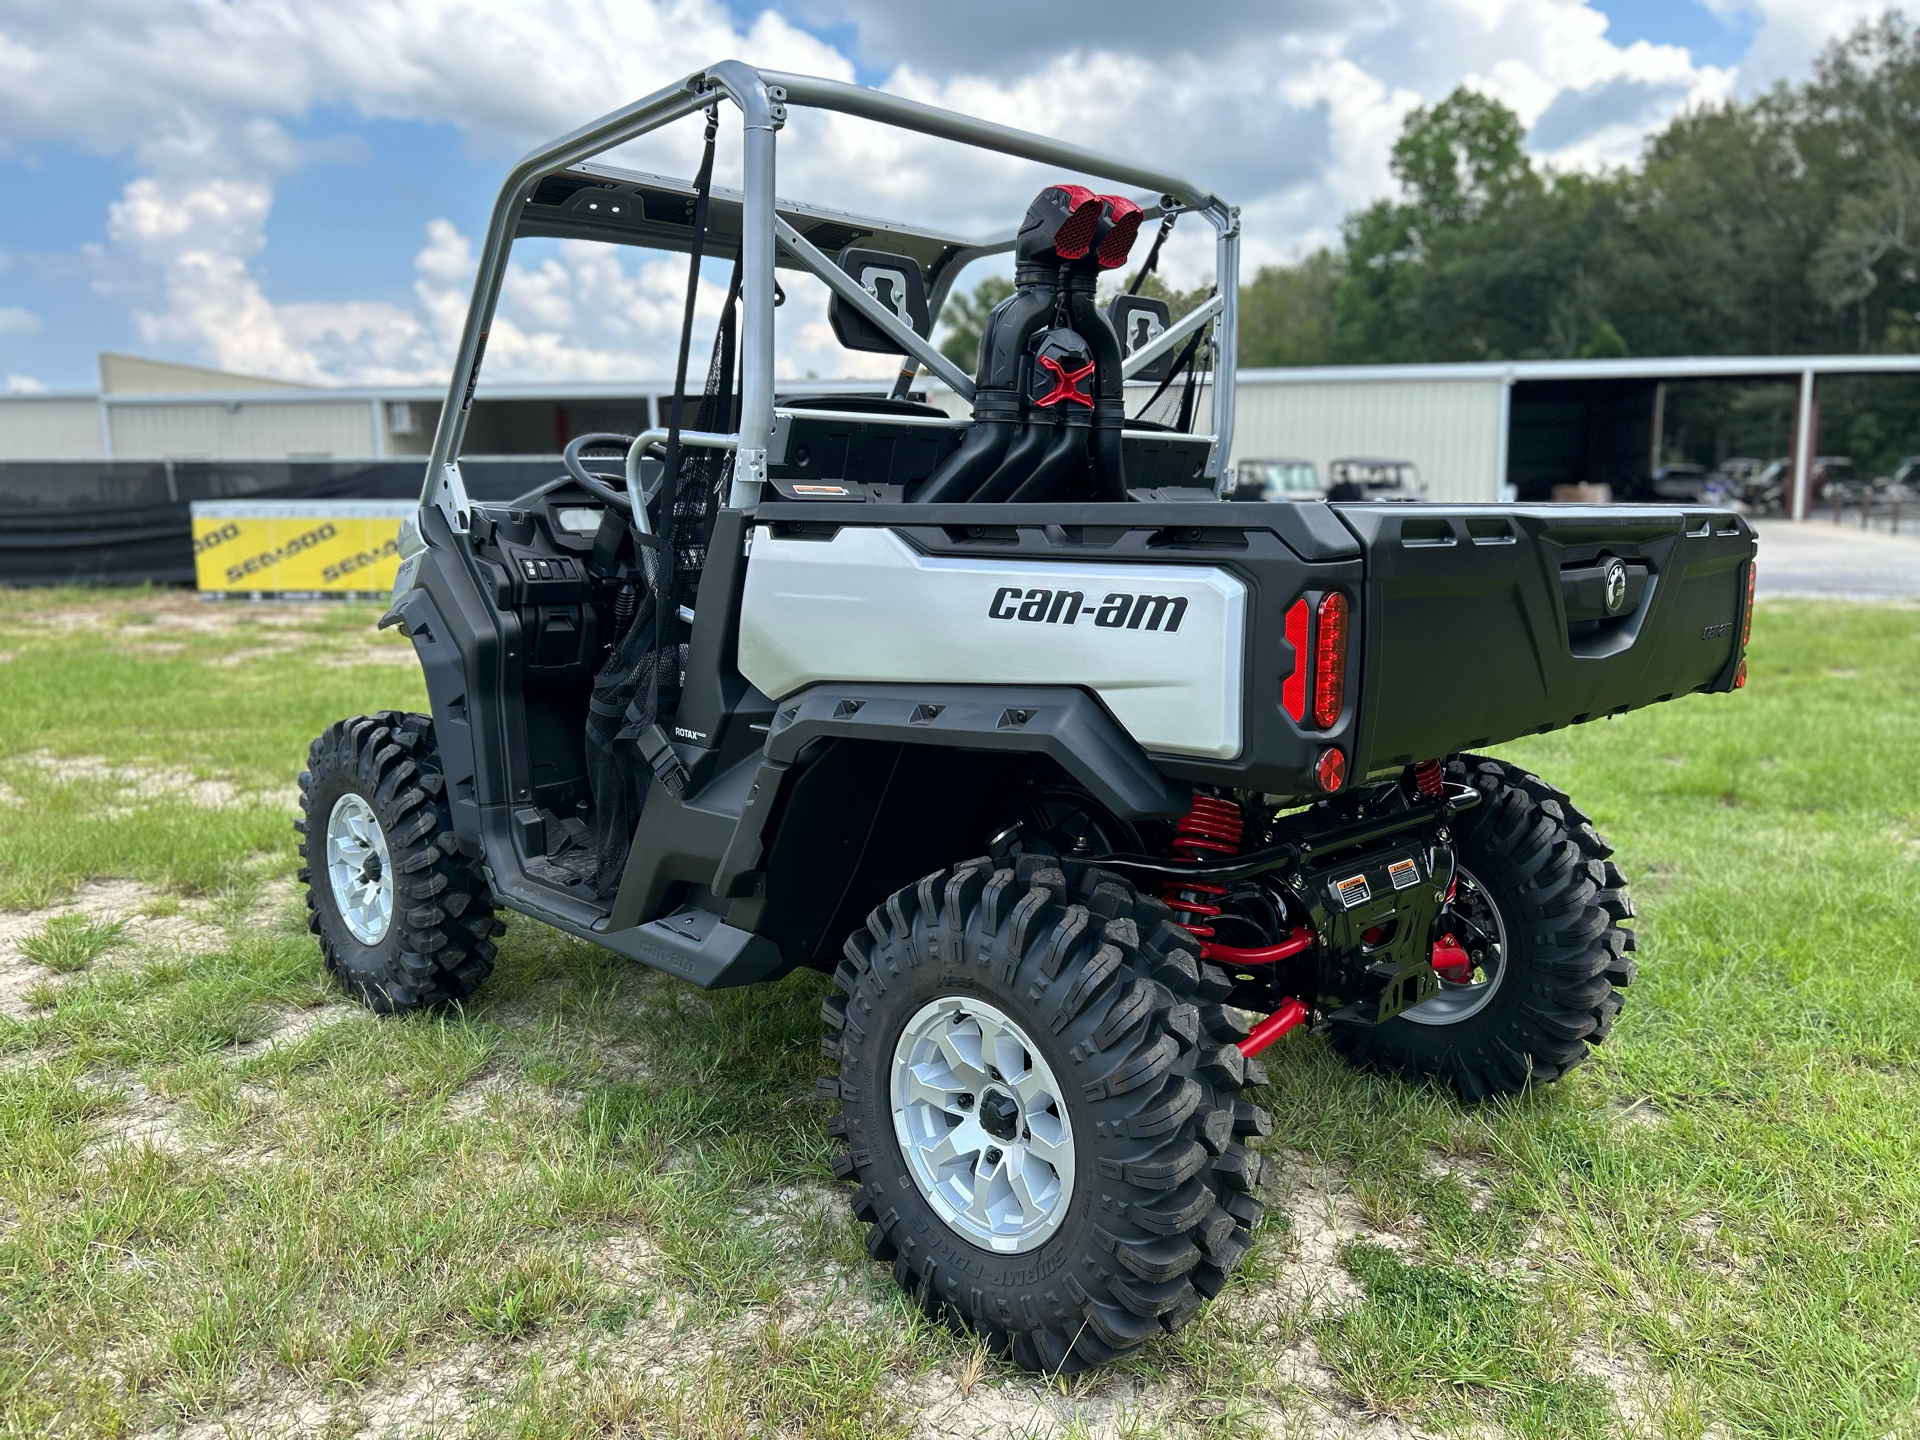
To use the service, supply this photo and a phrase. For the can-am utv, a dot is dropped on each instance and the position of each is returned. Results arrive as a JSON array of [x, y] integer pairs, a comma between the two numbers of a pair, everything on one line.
[[1085, 784]]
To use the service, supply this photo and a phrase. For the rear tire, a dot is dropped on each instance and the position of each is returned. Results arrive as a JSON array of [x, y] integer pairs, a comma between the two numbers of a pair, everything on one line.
[[1089, 985], [1560, 900], [404, 920]]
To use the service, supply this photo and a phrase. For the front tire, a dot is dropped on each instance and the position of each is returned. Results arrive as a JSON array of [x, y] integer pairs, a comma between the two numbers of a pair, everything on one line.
[[1040, 1103], [404, 920], [1555, 955]]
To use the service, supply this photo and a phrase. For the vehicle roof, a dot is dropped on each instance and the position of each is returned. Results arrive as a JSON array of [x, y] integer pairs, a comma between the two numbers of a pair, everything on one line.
[[593, 201]]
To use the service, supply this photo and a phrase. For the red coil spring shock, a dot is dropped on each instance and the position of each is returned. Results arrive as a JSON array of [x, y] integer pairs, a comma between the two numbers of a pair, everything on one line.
[[1427, 779], [1212, 827]]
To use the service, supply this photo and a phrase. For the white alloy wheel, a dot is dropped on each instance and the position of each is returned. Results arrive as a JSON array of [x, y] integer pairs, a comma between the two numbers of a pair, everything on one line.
[[982, 1124], [358, 867]]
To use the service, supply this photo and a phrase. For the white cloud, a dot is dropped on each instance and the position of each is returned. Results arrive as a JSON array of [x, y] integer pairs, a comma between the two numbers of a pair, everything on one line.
[[1789, 33], [24, 384], [1288, 109], [16, 320]]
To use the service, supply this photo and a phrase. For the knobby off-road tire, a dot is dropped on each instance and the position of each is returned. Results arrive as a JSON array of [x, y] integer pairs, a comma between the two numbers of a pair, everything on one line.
[[1112, 995], [1561, 901], [436, 943]]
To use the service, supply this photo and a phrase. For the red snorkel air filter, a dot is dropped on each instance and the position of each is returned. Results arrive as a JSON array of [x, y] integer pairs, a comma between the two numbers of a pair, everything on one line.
[[1125, 220], [1081, 208]]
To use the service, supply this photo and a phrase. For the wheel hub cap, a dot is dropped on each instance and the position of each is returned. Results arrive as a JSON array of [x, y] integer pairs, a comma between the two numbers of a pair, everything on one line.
[[1000, 1115], [982, 1125], [358, 868]]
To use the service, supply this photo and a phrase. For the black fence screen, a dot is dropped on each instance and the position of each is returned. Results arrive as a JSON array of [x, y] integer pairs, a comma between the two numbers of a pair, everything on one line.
[[121, 522]]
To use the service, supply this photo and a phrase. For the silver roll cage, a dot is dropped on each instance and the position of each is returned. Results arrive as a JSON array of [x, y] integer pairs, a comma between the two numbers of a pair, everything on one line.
[[764, 231]]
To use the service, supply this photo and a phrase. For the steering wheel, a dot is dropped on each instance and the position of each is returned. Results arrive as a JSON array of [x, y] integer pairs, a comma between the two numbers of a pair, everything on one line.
[[596, 485]]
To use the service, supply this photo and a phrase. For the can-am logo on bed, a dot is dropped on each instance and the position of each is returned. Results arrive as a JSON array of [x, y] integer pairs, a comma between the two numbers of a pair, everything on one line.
[[1116, 611], [1616, 586]]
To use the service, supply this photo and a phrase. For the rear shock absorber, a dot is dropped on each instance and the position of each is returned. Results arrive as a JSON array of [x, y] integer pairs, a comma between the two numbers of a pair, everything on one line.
[[1427, 779], [1450, 960], [1213, 827]]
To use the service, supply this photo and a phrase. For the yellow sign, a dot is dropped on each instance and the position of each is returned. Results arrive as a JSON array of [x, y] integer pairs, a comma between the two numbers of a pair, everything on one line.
[[297, 547]]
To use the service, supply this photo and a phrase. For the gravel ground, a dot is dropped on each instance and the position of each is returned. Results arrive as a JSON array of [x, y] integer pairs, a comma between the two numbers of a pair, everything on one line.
[[1819, 559]]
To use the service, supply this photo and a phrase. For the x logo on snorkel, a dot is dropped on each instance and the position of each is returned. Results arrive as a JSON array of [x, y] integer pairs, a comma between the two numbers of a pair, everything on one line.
[[1065, 384]]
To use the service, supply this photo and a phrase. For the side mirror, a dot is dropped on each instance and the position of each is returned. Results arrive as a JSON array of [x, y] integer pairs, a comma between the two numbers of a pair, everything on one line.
[[1140, 320], [896, 282]]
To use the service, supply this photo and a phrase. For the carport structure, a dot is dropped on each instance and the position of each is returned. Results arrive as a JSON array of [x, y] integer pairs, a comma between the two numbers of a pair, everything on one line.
[[1517, 428]]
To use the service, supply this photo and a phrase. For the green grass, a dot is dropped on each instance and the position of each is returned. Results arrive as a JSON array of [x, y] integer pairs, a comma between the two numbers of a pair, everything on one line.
[[597, 1202], [72, 942]]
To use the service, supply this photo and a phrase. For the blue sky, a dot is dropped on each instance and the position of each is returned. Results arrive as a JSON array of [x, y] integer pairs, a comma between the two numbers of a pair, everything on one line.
[[292, 195]]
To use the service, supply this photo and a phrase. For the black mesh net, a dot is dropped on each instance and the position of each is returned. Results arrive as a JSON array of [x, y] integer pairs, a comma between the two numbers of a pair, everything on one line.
[[642, 679], [618, 781]]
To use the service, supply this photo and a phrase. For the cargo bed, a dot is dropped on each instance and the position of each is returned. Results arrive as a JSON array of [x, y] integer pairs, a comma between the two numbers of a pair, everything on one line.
[[1483, 623]]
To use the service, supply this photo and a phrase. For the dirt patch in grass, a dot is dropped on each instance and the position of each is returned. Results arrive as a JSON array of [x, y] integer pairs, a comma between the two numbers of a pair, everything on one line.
[[134, 785], [1324, 1217], [142, 917], [431, 1399], [160, 611], [293, 1026], [145, 1120]]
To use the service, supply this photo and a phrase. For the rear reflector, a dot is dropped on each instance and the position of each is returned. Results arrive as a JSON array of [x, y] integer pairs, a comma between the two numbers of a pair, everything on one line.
[[1293, 690], [1330, 662], [1746, 626], [1331, 772], [1740, 675]]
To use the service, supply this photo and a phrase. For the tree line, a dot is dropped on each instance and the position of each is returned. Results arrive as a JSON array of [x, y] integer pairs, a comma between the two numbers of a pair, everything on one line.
[[1785, 224]]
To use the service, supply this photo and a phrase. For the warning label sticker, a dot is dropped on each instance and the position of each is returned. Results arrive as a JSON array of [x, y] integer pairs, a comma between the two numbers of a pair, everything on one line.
[[1403, 873], [1353, 890]]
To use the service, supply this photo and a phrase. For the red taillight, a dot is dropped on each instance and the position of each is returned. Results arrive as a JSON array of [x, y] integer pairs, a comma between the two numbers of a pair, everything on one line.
[[1293, 690], [1746, 627], [1740, 674], [1331, 771], [1330, 662]]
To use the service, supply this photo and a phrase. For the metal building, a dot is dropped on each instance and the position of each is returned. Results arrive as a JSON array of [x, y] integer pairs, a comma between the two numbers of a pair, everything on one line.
[[1477, 432], [1486, 432]]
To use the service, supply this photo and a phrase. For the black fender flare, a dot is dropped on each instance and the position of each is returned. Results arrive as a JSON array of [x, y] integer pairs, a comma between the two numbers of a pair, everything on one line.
[[420, 621], [1062, 722]]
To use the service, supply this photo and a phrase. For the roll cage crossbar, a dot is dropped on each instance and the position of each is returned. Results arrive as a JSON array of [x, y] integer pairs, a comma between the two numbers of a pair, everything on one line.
[[765, 231]]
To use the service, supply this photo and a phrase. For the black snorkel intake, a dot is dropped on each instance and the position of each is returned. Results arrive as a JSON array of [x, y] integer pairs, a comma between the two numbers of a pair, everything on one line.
[[1048, 392], [1000, 451]]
